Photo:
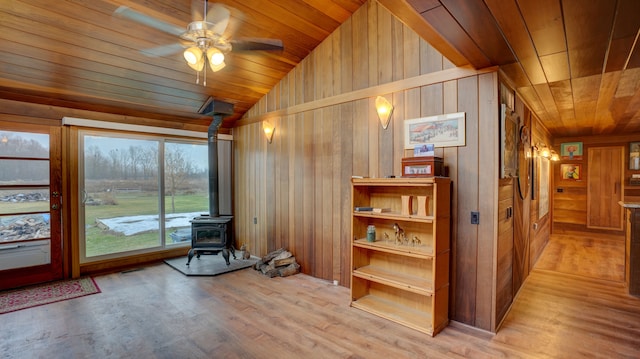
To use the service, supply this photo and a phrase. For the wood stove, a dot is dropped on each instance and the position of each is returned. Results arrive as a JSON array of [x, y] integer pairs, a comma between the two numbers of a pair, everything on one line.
[[211, 235]]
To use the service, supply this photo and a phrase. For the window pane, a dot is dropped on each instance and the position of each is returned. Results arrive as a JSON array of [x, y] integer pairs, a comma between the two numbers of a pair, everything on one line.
[[24, 227], [24, 172], [23, 201], [23, 144], [121, 200], [186, 188]]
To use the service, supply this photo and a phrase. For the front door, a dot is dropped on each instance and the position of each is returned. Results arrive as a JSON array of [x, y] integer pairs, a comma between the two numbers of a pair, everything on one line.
[[30, 200]]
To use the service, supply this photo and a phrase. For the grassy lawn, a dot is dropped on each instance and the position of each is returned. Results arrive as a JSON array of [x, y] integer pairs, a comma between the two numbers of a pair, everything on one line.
[[23, 207], [101, 241]]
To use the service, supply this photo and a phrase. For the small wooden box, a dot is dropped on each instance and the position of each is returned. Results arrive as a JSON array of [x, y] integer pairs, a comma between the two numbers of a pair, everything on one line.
[[426, 166]]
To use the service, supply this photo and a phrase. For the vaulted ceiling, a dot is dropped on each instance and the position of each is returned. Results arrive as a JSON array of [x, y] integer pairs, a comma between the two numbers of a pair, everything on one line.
[[576, 63]]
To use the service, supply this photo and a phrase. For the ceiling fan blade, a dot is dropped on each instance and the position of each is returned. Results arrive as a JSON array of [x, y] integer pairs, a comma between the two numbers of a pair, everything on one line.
[[164, 50], [197, 9], [249, 44], [129, 14], [218, 15]]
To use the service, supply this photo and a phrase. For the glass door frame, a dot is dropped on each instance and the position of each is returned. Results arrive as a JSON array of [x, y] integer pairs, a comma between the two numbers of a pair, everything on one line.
[[57, 268]]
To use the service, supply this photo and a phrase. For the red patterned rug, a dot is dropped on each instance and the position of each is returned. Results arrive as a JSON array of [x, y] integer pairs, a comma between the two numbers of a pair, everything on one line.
[[42, 294]]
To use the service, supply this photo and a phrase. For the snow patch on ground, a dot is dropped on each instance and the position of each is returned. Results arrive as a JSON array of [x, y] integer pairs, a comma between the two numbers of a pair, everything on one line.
[[131, 225]]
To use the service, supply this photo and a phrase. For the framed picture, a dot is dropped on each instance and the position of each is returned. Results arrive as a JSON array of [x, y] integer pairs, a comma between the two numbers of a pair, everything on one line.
[[441, 130], [508, 141], [571, 172], [571, 151], [423, 150], [634, 156]]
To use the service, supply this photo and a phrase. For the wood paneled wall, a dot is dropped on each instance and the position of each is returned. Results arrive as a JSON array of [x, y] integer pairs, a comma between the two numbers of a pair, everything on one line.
[[521, 210], [504, 266], [539, 226], [295, 192], [523, 236], [570, 205]]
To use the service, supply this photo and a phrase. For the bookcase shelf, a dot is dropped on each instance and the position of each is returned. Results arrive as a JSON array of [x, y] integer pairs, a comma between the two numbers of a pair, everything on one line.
[[405, 281]]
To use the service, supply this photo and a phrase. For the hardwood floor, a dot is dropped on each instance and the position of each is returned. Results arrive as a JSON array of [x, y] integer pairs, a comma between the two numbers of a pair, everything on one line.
[[157, 312], [599, 256]]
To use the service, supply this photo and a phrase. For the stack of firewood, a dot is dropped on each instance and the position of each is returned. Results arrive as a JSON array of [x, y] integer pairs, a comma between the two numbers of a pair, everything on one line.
[[279, 263]]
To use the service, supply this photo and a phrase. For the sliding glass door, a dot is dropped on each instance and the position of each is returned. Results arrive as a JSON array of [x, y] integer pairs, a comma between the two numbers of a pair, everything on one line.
[[30, 201], [139, 192]]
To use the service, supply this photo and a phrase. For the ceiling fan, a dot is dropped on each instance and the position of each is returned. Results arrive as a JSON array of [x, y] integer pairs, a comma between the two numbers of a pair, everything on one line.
[[205, 40]]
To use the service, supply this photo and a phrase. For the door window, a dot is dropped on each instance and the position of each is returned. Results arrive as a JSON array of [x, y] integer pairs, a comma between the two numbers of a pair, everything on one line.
[[24, 187]]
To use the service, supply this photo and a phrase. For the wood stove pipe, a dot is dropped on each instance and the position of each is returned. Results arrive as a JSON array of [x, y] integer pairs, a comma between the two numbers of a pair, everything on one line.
[[214, 191], [218, 110]]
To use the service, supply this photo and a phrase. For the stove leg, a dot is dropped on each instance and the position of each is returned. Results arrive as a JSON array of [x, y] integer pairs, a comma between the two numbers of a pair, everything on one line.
[[225, 254], [191, 253], [233, 252]]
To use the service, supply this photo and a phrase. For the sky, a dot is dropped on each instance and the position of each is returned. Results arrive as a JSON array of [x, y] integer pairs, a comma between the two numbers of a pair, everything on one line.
[[196, 152], [42, 138]]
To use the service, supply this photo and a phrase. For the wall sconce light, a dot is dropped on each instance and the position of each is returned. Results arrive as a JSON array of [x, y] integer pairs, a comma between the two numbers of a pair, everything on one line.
[[269, 129], [546, 152], [385, 110]]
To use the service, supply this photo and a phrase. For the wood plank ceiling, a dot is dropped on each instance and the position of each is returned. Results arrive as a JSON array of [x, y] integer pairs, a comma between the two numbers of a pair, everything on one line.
[[76, 54], [575, 62]]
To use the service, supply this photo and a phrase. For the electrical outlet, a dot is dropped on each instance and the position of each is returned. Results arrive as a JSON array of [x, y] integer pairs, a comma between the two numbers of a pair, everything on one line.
[[255, 220], [475, 217]]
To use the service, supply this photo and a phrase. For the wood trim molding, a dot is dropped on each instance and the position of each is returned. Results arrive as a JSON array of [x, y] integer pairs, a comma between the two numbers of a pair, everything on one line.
[[455, 73], [111, 265], [410, 17]]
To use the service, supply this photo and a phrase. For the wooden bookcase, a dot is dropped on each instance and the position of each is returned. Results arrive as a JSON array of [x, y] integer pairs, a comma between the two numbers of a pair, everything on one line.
[[407, 283]]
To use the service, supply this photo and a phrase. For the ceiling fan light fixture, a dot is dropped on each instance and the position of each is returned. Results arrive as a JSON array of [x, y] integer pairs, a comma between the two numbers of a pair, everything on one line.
[[198, 66], [216, 57], [217, 68], [205, 39], [193, 55]]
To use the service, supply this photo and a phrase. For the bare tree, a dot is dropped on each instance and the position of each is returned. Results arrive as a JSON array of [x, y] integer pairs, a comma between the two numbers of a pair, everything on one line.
[[15, 145], [149, 162], [115, 164], [176, 170]]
